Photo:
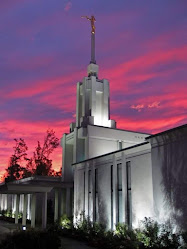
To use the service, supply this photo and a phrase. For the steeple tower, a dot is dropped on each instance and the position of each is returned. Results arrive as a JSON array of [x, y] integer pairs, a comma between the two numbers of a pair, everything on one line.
[[93, 105]]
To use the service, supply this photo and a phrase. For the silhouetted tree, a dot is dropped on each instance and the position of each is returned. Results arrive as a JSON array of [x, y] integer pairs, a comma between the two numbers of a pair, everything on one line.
[[29, 168], [15, 170], [42, 162], [39, 164], [56, 173]]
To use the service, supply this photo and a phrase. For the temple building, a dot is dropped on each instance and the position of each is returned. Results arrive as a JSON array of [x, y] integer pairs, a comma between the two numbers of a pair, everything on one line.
[[108, 174]]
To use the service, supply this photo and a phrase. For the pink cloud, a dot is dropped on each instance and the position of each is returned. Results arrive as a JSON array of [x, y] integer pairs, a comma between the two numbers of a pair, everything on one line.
[[146, 125], [174, 98], [155, 104], [68, 6], [42, 86], [138, 69], [33, 63], [137, 107], [164, 40], [60, 98]]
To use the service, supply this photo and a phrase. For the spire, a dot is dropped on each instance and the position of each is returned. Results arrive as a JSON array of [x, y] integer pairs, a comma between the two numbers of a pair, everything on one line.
[[93, 48], [93, 96], [92, 21]]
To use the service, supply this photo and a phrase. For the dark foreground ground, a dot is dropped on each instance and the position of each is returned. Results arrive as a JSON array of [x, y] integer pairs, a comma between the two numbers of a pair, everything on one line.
[[67, 243]]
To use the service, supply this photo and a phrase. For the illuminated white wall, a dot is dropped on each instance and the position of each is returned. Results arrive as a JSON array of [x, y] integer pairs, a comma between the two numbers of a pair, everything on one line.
[[8, 202], [13, 203], [142, 189], [104, 195], [79, 193], [21, 203], [169, 162], [91, 141], [101, 140], [141, 178], [67, 142], [3, 202], [29, 207]]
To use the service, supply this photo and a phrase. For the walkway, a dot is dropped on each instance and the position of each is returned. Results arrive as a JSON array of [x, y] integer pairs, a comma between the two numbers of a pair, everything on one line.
[[67, 243], [5, 228]]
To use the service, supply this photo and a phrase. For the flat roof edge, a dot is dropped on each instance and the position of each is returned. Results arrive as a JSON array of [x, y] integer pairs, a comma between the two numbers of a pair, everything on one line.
[[107, 154], [119, 129], [166, 131]]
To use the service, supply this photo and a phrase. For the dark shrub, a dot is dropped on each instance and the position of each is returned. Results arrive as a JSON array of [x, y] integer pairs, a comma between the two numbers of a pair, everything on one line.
[[154, 235]]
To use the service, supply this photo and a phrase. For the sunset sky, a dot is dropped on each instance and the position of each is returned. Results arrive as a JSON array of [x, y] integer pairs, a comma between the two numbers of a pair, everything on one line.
[[141, 48]]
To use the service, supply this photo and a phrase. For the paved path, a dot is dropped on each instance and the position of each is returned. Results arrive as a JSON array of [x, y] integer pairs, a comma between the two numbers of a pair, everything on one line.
[[68, 243], [5, 228], [8, 225]]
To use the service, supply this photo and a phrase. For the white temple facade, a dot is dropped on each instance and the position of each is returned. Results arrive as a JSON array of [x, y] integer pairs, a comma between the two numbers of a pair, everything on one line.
[[119, 175], [108, 174], [94, 133], [145, 180]]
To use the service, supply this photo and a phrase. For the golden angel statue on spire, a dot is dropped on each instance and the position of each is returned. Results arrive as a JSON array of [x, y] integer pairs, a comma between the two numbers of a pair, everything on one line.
[[92, 20]]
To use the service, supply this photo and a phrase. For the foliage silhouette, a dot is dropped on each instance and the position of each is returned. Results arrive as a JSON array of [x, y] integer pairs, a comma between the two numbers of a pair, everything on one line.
[[39, 164], [15, 171], [43, 165]]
